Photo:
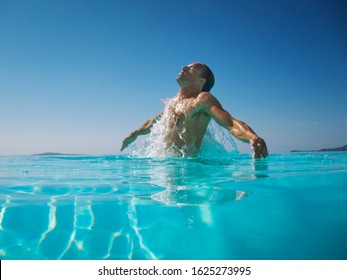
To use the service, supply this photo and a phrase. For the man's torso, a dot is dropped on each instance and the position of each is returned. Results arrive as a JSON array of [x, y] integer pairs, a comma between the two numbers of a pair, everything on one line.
[[187, 123]]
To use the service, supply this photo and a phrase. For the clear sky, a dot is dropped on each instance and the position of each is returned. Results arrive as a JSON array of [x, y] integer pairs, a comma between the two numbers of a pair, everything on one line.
[[76, 76]]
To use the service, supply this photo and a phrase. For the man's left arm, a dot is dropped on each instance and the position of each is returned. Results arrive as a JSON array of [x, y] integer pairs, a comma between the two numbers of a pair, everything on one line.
[[239, 129]]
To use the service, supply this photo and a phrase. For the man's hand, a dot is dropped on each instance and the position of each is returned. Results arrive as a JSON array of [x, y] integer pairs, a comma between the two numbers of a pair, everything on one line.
[[127, 141], [259, 148]]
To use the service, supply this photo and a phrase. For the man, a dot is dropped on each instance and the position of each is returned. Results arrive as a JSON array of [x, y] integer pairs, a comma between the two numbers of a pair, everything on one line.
[[189, 113]]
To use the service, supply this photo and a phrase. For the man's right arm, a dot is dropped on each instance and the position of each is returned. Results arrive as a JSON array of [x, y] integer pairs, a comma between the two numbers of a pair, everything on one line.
[[142, 130]]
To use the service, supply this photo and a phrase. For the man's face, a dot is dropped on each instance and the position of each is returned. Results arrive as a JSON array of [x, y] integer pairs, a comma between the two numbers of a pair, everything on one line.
[[190, 73]]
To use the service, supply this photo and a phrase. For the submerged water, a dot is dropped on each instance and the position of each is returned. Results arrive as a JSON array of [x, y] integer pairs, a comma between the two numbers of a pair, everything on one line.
[[289, 206]]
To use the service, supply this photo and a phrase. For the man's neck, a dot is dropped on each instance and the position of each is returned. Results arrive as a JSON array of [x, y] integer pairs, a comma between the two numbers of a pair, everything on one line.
[[188, 92]]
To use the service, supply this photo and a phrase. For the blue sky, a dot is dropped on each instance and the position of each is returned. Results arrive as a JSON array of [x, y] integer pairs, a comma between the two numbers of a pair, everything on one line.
[[78, 76]]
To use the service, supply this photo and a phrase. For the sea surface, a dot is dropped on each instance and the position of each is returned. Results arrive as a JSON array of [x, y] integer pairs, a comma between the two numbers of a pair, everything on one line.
[[288, 206]]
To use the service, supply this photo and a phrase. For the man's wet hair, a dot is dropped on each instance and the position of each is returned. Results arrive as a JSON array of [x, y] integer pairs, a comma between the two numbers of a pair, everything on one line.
[[207, 74]]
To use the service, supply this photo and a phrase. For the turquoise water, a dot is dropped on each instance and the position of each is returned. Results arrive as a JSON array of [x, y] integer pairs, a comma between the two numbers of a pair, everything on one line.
[[289, 206]]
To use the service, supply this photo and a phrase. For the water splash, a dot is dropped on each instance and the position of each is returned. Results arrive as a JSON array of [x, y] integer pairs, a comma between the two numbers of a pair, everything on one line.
[[217, 141], [155, 144]]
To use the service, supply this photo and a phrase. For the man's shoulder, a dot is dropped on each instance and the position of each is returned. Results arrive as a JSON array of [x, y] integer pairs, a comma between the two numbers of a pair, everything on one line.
[[207, 97]]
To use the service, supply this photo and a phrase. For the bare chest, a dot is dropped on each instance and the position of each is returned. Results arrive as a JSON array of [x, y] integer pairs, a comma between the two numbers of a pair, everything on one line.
[[187, 113], [185, 108]]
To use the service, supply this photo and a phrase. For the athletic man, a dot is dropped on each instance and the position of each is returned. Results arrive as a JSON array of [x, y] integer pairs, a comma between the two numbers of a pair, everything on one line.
[[190, 112]]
